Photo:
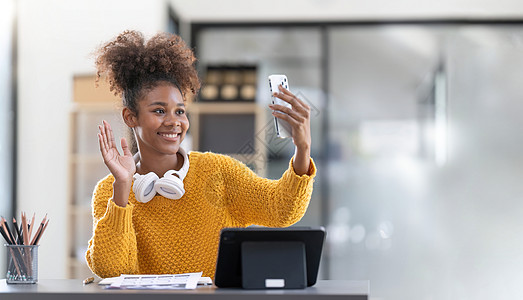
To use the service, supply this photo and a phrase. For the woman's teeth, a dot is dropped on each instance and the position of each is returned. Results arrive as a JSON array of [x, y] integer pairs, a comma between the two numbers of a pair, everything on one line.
[[169, 135]]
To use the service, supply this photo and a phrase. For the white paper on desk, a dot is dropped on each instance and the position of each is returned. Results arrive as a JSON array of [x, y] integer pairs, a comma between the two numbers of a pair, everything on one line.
[[110, 280], [165, 281]]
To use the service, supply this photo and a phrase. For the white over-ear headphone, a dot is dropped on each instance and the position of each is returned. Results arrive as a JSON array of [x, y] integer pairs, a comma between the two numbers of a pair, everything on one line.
[[170, 185]]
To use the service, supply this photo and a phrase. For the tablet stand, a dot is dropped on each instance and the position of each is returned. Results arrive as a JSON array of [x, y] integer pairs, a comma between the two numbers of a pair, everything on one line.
[[269, 265]]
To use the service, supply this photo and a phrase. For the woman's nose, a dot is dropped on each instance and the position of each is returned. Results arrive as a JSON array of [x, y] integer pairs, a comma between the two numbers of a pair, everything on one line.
[[172, 120]]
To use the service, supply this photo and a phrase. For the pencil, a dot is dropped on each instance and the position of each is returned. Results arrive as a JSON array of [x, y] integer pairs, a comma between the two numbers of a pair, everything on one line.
[[5, 227], [13, 254], [4, 234], [15, 225], [31, 226], [21, 234], [10, 234], [39, 231], [24, 230]]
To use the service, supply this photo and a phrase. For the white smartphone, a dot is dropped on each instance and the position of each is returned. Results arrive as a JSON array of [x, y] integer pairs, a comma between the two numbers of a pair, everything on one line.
[[283, 129]]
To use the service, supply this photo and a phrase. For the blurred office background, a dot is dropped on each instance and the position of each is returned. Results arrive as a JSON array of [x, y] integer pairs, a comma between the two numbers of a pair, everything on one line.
[[416, 122]]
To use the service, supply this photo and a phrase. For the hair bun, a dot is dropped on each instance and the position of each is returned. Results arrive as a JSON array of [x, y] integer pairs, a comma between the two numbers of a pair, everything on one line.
[[130, 62]]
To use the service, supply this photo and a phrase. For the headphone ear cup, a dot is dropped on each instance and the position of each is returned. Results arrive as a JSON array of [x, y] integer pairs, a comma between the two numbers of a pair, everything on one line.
[[170, 186], [143, 186]]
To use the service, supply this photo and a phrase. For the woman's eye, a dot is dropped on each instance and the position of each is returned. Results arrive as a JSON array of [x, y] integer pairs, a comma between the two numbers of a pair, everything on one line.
[[180, 112], [159, 111]]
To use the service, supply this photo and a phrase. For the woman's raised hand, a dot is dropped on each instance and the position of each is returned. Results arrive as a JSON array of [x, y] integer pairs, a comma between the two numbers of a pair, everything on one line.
[[123, 166], [298, 116]]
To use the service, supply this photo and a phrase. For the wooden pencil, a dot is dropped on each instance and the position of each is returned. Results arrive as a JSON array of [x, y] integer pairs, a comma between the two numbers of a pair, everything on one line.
[[15, 225], [39, 231], [4, 233], [31, 226], [11, 235], [24, 230], [5, 227]]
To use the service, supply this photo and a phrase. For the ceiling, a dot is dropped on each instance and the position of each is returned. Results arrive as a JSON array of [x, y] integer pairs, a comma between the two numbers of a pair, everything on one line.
[[344, 10]]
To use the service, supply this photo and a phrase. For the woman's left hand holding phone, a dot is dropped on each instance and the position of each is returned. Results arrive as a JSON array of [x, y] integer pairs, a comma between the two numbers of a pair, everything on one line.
[[298, 116], [121, 166]]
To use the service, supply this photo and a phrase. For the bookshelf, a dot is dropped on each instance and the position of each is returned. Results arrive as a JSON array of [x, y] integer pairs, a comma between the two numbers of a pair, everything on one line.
[[235, 129], [90, 106]]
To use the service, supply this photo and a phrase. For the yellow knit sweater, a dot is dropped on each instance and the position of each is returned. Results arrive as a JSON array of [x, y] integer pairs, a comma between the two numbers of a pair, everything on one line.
[[167, 236]]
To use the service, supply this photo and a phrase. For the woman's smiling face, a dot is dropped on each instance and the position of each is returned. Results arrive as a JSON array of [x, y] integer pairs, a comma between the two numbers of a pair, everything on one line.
[[161, 123]]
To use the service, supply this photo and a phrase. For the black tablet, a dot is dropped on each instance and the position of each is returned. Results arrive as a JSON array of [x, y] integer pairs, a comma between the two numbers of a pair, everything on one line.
[[266, 252]]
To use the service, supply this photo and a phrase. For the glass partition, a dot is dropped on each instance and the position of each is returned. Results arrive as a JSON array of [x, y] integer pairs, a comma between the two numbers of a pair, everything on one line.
[[425, 189], [420, 190]]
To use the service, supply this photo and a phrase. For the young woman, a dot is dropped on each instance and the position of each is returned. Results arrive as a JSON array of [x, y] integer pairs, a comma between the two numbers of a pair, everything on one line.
[[140, 227]]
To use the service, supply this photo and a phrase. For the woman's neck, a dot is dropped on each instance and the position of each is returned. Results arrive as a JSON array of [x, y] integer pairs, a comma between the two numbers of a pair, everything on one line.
[[159, 164]]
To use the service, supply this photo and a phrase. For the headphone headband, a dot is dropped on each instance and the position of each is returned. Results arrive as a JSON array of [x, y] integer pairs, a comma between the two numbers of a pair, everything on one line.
[[185, 167], [169, 186]]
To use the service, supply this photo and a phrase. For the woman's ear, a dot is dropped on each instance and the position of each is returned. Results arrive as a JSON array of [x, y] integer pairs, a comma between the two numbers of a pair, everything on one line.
[[129, 117]]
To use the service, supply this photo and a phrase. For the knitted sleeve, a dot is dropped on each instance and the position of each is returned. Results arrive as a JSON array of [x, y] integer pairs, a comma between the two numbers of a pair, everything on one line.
[[112, 249], [260, 201]]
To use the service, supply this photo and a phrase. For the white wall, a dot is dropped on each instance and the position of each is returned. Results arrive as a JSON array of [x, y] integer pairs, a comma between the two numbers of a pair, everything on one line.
[[292, 10], [55, 40]]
